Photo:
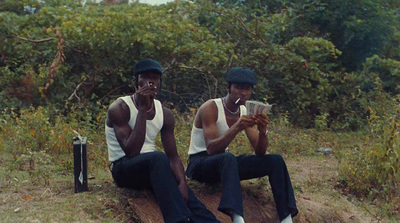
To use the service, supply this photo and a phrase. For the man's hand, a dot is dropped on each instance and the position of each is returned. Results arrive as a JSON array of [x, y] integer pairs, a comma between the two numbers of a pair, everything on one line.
[[183, 188], [144, 97], [262, 122], [245, 121], [257, 137]]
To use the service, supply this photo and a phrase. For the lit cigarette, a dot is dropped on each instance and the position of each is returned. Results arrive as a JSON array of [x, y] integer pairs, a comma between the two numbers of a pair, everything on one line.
[[237, 101]]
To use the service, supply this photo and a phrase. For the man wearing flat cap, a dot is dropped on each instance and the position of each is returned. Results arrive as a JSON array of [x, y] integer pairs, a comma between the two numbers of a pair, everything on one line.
[[216, 124], [132, 125]]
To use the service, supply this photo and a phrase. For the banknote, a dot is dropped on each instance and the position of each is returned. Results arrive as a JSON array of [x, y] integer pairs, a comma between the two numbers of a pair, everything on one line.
[[256, 107]]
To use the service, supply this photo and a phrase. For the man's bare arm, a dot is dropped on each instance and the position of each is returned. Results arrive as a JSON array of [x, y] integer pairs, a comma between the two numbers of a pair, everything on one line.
[[169, 144], [208, 114], [131, 141]]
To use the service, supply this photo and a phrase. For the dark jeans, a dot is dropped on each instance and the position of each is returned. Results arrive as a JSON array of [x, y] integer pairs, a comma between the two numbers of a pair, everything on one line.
[[152, 171], [230, 170]]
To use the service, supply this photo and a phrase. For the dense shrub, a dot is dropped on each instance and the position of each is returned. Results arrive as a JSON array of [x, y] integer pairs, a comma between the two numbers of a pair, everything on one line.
[[68, 55]]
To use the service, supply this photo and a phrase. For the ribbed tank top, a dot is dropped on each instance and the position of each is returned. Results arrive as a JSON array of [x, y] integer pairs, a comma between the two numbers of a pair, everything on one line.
[[197, 141], [153, 127]]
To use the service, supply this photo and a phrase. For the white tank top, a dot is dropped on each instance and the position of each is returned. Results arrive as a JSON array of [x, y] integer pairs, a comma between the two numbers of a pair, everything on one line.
[[197, 142], [153, 127]]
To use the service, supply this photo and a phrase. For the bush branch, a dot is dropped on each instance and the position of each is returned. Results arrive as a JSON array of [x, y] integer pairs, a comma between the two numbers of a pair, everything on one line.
[[74, 93], [34, 41], [248, 30]]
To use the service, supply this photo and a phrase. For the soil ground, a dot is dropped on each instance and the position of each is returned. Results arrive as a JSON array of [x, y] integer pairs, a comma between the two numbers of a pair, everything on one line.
[[314, 179]]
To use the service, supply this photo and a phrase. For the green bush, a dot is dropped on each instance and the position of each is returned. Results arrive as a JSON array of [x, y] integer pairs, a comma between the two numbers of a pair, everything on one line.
[[67, 55], [371, 169], [388, 70], [35, 138], [15, 6]]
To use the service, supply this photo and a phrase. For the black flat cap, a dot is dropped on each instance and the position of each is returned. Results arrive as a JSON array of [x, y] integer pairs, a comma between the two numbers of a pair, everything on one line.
[[147, 65], [241, 75]]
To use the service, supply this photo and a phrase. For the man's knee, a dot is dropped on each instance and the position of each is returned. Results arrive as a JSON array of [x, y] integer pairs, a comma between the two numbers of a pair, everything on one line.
[[228, 159], [158, 158], [277, 160]]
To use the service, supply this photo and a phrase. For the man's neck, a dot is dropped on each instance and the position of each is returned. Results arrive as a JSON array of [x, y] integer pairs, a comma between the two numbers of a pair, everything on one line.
[[230, 106]]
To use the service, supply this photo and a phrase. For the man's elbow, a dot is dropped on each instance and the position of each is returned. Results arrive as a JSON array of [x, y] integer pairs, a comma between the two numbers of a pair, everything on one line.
[[260, 152], [130, 153], [212, 151]]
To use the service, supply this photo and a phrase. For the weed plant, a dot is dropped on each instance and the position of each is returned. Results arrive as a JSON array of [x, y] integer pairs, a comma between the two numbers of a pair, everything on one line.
[[371, 168], [37, 137], [36, 144]]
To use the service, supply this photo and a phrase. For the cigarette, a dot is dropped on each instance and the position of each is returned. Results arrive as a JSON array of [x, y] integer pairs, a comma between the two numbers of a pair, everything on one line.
[[237, 101], [150, 84]]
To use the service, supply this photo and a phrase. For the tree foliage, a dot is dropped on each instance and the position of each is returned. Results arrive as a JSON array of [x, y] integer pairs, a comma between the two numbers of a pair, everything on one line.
[[325, 64], [313, 57]]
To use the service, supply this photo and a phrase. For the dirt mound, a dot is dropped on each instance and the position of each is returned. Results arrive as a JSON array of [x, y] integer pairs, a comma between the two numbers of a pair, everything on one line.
[[255, 210], [313, 179]]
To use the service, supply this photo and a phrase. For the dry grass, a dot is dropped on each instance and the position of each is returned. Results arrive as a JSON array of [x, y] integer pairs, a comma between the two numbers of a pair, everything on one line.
[[21, 201], [315, 183], [24, 198], [314, 179]]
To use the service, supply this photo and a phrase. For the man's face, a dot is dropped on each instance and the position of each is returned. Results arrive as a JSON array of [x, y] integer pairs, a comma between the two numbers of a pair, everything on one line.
[[242, 91], [149, 79]]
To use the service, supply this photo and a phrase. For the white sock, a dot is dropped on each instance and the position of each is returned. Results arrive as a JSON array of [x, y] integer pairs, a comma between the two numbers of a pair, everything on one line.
[[237, 218], [288, 219]]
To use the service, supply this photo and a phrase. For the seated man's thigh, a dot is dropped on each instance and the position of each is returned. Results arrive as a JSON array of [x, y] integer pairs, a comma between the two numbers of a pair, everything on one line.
[[255, 166], [209, 169], [134, 172]]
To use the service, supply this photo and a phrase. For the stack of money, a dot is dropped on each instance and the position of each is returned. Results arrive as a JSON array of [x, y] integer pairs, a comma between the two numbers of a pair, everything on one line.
[[256, 107]]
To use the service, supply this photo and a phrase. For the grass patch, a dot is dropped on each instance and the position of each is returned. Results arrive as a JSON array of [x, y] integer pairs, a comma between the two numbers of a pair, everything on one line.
[[36, 177]]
